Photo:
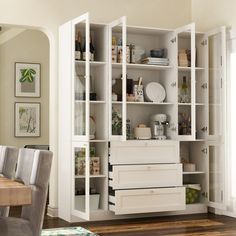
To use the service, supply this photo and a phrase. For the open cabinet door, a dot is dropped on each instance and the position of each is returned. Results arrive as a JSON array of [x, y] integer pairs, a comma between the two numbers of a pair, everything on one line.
[[81, 81], [185, 39], [81, 119], [117, 109], [216, 65]]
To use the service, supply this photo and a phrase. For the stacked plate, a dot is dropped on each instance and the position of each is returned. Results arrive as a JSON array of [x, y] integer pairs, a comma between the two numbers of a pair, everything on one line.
[[155, 92]]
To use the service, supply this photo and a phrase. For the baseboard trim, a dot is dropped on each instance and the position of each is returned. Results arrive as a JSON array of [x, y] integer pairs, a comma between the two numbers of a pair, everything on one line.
[[52, 211]]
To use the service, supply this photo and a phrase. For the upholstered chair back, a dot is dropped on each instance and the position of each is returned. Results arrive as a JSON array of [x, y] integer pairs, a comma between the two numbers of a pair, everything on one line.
[[33, 169], [8, 160]]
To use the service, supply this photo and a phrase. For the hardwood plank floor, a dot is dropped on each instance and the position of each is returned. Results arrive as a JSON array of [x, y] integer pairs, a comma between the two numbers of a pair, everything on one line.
[[187, 225]]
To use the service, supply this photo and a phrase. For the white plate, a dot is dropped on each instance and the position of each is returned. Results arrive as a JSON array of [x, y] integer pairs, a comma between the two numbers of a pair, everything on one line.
[[155, 92]]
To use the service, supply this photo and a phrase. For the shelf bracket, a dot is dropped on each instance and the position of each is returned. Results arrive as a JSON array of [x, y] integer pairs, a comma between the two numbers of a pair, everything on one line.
[[204, 42], [204, 150], [204, 129], [204, 194], [173, 40], [204, 86]]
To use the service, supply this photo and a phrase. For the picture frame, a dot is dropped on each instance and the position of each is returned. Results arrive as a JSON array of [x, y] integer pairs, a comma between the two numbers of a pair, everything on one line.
[[27, 79], [27, 119]]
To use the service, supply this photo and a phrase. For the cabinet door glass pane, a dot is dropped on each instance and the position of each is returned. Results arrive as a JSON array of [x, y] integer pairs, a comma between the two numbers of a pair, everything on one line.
[[186, 81], [215, 175], [117, 77], [79, 126], [81, 79], [214, 82], [79, 179]]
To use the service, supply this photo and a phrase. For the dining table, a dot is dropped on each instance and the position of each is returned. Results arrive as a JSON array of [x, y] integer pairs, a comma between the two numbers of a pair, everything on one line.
[[13, 193]]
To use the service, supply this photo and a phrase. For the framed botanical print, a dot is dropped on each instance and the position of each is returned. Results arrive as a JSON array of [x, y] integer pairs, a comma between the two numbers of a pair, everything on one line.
[[27, 79], [27, 119]]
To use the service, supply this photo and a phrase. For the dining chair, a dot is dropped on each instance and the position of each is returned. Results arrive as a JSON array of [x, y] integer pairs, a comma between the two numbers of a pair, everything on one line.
[[33, 169], [8, 160]]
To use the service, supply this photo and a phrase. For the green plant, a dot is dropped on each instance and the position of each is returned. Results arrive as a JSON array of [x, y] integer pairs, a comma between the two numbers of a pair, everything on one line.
[[27, 75]]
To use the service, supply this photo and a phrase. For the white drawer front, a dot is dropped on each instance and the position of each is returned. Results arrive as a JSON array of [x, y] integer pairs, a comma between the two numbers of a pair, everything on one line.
[[146, 176], [146, 152], [148, 200]]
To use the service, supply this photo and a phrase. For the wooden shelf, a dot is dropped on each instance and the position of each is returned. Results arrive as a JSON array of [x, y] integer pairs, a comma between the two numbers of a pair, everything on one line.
[[92, 63], [91, 176], [142, 66], [144, 103], [150, 103], [93, 102], [182, 68], [184, 104]]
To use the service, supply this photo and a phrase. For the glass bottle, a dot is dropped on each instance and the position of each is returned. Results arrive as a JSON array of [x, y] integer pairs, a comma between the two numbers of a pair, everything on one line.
[[184, 93], [91, 49], [78, 47]]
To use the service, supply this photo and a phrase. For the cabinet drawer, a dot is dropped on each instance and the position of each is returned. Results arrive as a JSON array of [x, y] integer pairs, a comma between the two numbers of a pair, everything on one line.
[[147, 200], [146, 176], [144, 152]]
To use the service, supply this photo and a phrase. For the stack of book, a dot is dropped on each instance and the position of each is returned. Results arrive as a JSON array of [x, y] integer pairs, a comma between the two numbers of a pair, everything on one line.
[[156, 61]]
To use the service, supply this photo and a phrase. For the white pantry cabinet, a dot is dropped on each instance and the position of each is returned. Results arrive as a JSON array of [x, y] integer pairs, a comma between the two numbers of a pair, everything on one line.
[[103, 170]]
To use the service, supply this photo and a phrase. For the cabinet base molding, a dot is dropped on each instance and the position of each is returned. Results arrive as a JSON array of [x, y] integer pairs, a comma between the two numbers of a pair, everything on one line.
[[52, 211], [109, 215]]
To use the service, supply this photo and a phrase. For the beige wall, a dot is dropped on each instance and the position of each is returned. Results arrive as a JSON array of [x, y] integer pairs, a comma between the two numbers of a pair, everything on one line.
[[158, 13], [50, 14], [29, 46], [209, 14]]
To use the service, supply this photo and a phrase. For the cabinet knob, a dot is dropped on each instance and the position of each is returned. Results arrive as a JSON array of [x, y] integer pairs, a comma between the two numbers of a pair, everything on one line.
[[204, 129], [173, 84], [204, 86]]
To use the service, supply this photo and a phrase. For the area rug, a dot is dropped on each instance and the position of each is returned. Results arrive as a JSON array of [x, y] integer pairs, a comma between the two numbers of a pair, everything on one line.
[[69, 231]]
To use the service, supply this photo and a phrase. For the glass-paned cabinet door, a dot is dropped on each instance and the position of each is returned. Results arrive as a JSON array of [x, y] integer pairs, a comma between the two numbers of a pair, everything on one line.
[[89, 178], [216, 176], [201, 91], [80, 78], [80, 180], [216, 78], [117, 79], [185, 40]]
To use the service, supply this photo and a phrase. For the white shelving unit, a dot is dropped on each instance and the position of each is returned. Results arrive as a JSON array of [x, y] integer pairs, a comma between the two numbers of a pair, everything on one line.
[[86, 114]]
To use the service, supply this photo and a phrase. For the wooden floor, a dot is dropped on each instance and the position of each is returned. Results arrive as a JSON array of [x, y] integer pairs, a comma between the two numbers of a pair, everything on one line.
[[204, 224], [190, 225]]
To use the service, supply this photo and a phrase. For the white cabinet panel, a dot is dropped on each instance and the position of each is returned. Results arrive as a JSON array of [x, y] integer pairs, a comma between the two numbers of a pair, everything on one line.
[[146, 176], [147, 200], [138, 152]]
